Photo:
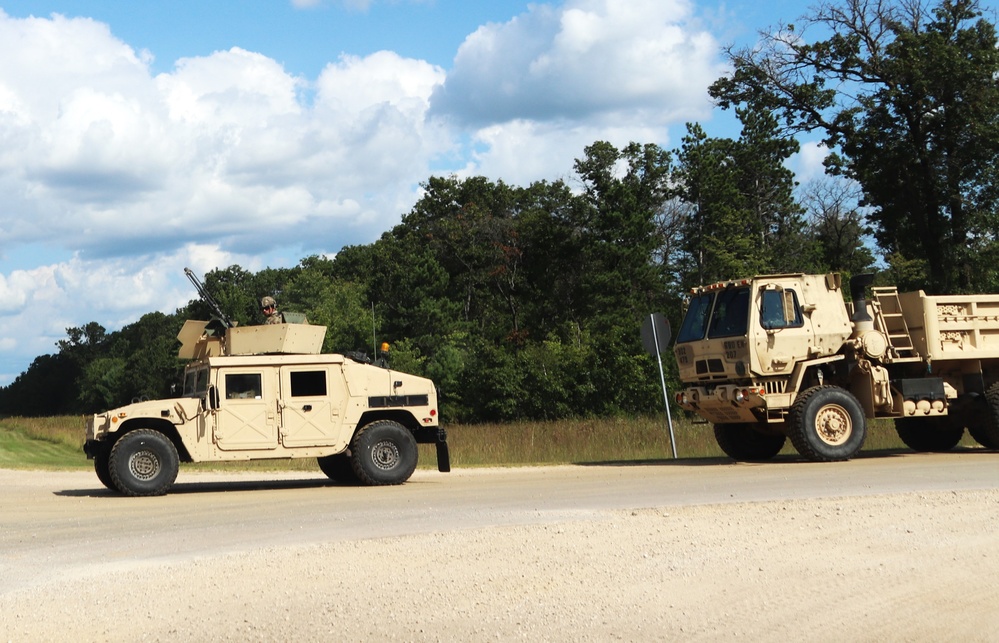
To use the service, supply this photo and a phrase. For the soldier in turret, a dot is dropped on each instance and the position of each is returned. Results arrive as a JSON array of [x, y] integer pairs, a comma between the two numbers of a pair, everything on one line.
[[269, 308]]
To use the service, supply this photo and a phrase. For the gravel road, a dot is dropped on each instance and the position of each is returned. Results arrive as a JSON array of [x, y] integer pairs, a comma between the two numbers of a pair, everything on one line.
[[875, 549]]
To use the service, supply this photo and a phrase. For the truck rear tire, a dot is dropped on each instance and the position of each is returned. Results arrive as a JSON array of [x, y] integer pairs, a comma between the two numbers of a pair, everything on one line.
[[338, 467], [144, 462], [384, 453], [744, 443], [986, 431], [826, 424], [929, 435]]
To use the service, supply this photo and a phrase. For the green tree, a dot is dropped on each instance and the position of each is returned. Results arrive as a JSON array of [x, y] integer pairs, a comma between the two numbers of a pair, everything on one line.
[[742, 218], [838, 226], [908, 94]]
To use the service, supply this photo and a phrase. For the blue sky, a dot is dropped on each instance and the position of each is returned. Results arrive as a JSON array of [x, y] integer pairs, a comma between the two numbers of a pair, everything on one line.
[[137, 138]]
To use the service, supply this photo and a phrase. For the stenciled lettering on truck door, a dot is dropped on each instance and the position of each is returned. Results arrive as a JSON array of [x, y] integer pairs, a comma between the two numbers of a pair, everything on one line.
[[312, 400], [246, 416], [781, 332]]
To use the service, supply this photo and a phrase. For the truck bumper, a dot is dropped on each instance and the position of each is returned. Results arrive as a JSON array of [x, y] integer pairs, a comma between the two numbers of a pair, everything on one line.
[[725, 403]]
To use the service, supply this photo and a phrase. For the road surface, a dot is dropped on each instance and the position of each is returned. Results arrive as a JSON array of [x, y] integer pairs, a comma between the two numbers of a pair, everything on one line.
[[878, 548]]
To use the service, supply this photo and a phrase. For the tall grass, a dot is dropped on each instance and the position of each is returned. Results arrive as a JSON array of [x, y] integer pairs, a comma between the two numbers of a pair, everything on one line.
[[48, 443], [58, 441]]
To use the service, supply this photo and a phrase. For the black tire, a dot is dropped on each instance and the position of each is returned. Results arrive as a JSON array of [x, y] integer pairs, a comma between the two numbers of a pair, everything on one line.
[[978, 432], [986, 429], [929, 435], [144, 463], [384, 453], [338, 467], [826, 424], [744, 443], [102, 467]]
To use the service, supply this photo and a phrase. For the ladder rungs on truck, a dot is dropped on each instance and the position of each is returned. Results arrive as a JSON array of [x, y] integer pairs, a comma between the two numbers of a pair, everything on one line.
[[889, 319]]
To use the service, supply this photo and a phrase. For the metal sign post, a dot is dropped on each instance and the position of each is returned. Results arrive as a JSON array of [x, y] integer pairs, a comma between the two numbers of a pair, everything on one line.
[[655, 339]]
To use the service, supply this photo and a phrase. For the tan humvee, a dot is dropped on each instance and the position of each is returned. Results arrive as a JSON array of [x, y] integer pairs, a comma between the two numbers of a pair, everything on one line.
[[784, 356], [264, 392]]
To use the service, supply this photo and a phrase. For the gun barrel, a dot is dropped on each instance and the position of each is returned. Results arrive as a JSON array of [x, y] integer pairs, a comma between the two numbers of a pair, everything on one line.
[[207, 298]]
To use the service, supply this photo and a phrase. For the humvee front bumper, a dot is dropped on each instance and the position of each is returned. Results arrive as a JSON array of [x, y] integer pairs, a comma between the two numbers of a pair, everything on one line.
[[438, 436]]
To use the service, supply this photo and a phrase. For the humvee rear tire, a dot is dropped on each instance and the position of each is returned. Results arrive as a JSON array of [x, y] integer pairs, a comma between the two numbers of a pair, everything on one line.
[[384, 453], [338, 467], [143, 462], [929, 435], [102, 467], [827, 423], [744, 443]]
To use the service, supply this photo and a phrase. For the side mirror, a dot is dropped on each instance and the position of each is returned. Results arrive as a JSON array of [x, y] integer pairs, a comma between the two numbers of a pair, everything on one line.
[[213, 398]]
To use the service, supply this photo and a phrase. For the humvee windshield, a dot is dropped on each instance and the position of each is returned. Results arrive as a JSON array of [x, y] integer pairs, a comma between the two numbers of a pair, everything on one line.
[[728, 317], [196, 382]]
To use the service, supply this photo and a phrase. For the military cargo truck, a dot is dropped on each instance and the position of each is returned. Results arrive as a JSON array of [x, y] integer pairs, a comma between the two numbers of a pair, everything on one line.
[[266, 392], [784, 356]]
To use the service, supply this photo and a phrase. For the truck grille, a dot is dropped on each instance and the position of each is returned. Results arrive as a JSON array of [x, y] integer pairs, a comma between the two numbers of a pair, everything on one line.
[[704, 366]]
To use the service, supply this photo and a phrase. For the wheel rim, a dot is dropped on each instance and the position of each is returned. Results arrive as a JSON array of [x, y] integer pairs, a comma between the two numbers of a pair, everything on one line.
[[144, 465], [385, 455], [833, 424]]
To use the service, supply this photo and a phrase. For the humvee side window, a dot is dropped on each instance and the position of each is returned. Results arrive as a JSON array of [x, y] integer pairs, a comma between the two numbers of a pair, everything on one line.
[[242, 386], [308, 383], [780, 309]]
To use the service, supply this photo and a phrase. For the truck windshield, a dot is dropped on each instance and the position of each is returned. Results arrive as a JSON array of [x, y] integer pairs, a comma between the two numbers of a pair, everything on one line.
[[695, 322], [731, 314]]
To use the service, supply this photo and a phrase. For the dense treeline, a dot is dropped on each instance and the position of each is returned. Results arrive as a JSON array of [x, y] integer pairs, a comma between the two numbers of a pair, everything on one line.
[[525, 302]]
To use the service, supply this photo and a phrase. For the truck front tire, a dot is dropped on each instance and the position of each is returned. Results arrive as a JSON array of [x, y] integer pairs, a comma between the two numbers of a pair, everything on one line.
[[827, 423], [384, 453], [743, 443], [143, 462]]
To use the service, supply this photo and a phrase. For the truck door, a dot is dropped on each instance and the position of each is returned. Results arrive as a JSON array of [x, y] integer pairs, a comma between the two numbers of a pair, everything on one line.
[[246, 410], [781, 335], [312, 405]]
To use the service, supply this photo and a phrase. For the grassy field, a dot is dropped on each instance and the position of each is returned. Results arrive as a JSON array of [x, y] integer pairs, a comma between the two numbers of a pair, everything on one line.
[[57, 443]]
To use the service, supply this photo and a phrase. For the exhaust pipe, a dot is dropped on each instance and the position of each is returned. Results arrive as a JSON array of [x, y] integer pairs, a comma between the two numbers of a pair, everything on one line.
[[858, 287]]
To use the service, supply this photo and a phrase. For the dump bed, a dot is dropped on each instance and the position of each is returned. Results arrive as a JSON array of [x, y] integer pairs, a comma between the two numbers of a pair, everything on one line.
[[952, 327]]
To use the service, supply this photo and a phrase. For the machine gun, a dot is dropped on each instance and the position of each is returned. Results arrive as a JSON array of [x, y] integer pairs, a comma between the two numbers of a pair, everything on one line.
[[208, 299]]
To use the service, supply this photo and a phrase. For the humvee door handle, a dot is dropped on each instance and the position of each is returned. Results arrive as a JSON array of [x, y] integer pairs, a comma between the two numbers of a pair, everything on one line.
[[307, 407]]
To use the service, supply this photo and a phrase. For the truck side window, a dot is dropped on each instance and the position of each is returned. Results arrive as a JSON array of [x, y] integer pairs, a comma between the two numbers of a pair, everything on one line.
[[308, 383], [242, 386], [780, 309]]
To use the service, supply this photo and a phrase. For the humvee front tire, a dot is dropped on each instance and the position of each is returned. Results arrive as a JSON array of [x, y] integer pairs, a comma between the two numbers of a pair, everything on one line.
[[102, 467], [144, 463], [384, 453], [743, 443], [339, 468], [827, 423]]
